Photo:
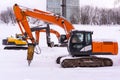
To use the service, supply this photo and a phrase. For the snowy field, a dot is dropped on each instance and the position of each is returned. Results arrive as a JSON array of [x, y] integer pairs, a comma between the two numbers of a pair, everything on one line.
[[13, 63]]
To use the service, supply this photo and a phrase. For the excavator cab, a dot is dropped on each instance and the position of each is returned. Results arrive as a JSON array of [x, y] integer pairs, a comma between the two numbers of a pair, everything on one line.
[[80, 43], [63, 40]]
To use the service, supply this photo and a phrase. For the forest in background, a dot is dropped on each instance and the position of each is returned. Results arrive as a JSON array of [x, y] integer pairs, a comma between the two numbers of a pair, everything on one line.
[[85, 15]]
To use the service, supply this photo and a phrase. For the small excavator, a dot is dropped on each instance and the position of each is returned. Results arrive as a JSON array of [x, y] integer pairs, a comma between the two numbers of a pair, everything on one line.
[[81, 48], [15, 43], [19, 43]]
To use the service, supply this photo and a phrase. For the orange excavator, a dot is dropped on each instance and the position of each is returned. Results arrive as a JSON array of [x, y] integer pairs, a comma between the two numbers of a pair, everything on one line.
[[80, 45]]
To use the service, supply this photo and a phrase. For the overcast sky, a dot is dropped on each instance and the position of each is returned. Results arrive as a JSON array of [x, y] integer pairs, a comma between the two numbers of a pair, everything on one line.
[[98, 3], [41, 4]]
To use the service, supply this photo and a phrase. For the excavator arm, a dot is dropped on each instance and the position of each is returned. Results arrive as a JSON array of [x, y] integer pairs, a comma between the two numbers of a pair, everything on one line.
[[21, 17], [23, 23], [52, 31]]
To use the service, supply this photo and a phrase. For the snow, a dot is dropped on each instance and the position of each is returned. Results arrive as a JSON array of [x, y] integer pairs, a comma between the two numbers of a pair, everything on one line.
[[13, 63]]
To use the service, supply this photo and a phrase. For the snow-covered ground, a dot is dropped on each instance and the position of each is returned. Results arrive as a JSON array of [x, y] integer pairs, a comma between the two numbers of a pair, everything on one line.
[[13, 63]]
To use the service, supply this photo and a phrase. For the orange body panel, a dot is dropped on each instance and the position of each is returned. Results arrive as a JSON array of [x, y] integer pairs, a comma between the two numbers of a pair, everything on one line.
[[104, 47]]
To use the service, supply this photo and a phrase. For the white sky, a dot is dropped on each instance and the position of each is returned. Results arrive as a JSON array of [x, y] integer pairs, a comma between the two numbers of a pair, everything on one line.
[[41, 4], [98, 3]]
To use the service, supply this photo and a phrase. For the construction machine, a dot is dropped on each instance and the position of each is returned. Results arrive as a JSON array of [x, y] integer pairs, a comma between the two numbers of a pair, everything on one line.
[[16, 42], [80, 45]]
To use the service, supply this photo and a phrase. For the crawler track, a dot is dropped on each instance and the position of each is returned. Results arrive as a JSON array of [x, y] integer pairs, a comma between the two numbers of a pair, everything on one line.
[[86, 62], [15, 48]]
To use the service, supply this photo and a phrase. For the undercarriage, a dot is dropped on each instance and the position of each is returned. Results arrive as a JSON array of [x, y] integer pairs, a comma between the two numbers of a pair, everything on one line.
[[84, 61], [15, 47]]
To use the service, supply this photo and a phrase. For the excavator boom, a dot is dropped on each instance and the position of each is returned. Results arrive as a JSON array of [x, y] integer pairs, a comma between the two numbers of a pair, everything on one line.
[[41, 15], [21, 17]]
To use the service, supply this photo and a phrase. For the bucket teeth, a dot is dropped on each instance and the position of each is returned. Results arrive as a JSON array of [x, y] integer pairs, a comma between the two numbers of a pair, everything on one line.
[[30, 53], [29, 62]]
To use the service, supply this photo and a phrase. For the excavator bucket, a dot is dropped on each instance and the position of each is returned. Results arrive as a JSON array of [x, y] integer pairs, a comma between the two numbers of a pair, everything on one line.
[[30, 53]]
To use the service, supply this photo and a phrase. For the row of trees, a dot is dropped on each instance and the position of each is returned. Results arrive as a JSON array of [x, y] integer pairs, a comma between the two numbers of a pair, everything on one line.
[[96, 16], [86, 15], [91, 15], [7, 16]]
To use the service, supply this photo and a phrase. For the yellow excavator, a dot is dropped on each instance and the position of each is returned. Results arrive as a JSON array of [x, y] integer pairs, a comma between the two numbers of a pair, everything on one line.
[[17, 42]]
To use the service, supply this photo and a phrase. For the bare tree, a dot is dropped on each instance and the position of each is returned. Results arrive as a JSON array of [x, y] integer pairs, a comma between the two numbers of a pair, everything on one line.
[[7, 16], [4, 17], [11, 15], [75, 16], [84, 15]]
